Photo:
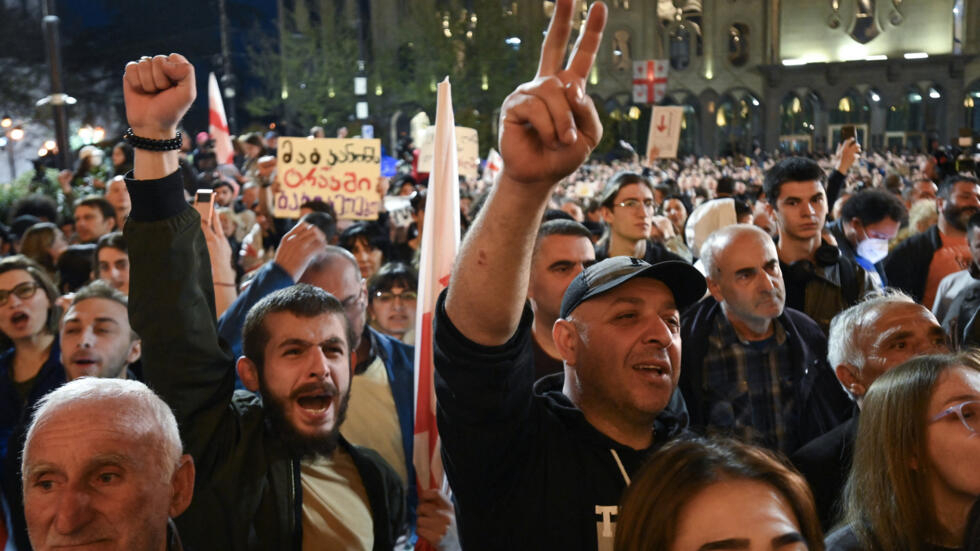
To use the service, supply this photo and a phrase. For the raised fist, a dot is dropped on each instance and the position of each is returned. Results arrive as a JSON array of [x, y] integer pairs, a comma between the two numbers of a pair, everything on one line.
[[158, 91]]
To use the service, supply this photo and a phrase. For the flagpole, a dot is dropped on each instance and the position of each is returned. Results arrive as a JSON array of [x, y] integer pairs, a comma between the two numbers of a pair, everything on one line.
[[440, 241]]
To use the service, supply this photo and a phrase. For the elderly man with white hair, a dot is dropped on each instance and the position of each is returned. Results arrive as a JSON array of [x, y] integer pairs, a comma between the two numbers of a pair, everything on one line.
[[751, 367], [879, 333], [103, 466]]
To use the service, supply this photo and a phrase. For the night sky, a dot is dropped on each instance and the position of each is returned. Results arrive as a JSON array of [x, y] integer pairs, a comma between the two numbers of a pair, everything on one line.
[[108, 33]]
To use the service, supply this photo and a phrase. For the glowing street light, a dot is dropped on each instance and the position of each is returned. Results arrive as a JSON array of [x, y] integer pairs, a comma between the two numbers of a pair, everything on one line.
[[85, 133], [14, 135], [6, 122]]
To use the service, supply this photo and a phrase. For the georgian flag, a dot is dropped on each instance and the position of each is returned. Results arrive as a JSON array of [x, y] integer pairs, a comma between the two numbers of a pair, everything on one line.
[[440, 241], [218, 124]]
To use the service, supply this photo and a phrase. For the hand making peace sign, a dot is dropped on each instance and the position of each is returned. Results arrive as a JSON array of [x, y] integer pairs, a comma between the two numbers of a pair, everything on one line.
[[549, 126]]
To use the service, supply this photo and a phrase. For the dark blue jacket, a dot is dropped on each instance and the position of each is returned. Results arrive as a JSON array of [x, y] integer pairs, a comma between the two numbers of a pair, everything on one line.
[[822, 403], [14, 415]]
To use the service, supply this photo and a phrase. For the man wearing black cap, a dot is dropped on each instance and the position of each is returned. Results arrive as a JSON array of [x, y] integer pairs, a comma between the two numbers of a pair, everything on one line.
[[545, 468]]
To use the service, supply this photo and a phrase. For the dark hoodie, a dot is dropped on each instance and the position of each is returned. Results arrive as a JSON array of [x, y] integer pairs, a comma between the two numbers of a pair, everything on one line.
[[527, 469]]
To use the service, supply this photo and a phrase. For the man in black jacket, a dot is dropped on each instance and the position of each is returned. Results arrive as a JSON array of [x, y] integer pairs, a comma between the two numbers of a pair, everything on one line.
[[866, 340], [753, 368], [919, 263], [869, 220], [273, 471], [545, 469]]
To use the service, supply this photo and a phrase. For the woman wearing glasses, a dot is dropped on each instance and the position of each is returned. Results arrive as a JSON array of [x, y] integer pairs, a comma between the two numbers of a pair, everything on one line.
[[29, 320], [916, 469], [392, 299]]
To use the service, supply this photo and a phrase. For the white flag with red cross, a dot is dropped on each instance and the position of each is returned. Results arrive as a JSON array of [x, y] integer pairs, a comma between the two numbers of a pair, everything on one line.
[[440, 240], [218, 124], [650, 80]]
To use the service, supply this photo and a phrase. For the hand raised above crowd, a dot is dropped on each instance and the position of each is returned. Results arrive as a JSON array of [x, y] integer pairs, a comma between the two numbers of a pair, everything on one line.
[[847, 152], [299, 247], [549, 126], [158, 91]]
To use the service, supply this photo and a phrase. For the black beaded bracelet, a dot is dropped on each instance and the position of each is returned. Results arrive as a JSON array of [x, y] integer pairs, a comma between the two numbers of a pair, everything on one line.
[[132, 139]]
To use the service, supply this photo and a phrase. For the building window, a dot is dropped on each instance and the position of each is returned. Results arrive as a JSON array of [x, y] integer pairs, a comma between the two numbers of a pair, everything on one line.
[[680, 48]]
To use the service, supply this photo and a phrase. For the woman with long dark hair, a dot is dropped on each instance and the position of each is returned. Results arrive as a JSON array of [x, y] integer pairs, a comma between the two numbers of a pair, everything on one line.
[[916, 468]]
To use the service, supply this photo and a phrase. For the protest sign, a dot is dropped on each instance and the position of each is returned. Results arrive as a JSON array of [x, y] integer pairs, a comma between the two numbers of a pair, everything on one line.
[[342, 172], [665, 131], [467, 151]]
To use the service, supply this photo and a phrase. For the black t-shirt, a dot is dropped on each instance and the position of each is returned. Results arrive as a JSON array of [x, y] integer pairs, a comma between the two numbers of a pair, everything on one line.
[[795, 279], [544, 364]]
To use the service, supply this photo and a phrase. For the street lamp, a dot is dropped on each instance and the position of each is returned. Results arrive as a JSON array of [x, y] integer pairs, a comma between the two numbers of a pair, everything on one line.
[[6, 121], [360, 91], [85, 133], [15, 134]]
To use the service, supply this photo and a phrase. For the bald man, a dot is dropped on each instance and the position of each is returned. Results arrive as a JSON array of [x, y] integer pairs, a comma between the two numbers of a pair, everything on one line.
[[752, 367], [103, 462]]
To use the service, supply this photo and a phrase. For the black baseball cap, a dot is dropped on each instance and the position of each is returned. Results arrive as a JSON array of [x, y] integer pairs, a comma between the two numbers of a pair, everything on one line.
[[684, 280]]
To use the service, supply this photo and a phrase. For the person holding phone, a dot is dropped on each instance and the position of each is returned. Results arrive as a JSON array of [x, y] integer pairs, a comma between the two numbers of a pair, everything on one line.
[[848, 151], [274, 473]]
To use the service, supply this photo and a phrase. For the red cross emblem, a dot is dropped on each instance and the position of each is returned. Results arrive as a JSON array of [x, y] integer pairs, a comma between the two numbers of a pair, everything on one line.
[[649, 80]]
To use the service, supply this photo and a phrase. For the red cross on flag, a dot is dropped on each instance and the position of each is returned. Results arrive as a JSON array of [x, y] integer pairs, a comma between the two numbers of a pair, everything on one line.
[[649, 80]]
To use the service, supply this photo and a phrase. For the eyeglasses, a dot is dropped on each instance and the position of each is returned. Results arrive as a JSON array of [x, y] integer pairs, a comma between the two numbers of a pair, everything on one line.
[[968, 412], [23, 291], [384, 297], [647, 204], [350, 302]]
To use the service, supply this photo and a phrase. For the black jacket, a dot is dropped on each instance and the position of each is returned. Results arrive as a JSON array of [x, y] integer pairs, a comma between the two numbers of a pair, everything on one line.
[[528, 470], [825, 463], [821, 402], [907, 265], [848, 250], [247, 492]]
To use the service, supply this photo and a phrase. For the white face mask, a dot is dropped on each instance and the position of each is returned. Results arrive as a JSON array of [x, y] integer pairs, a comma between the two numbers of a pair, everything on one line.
[[873, 249]]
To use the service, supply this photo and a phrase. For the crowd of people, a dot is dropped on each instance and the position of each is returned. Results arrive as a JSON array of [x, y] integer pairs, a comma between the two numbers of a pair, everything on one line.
[[765, 352]]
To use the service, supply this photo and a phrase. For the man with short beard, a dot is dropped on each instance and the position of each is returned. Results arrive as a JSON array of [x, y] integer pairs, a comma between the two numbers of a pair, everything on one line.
[[919, 263], [750, 367], [273, 472]]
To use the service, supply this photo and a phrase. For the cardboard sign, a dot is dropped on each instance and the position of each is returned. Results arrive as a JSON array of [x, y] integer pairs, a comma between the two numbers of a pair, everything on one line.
[[665, 131], [467, 151], [342, 172]]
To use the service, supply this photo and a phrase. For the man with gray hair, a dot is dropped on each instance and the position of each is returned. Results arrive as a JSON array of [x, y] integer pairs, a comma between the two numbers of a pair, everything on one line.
[[750, 366], [103, 464], [866, 340]]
